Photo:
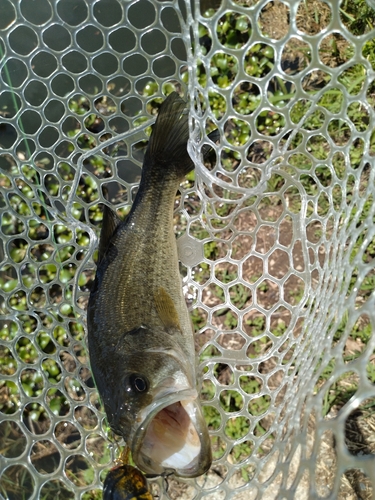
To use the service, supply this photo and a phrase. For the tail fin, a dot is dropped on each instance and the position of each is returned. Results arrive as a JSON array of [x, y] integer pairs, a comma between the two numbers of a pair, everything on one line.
[[168, 142]]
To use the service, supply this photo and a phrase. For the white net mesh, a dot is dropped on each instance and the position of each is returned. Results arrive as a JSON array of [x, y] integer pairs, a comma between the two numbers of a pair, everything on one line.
[[277, 234]]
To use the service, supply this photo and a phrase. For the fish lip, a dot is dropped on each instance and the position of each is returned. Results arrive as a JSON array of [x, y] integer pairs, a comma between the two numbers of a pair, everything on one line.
[[201, 463]]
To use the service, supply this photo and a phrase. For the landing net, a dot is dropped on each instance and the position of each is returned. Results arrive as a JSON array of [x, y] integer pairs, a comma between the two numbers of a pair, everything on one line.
[[276, 234]]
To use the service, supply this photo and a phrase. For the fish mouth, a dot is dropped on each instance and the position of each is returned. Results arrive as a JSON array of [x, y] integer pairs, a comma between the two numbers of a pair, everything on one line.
[[173, 436]]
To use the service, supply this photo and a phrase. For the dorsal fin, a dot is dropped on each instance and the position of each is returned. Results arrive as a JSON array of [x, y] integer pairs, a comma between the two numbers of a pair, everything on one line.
[[111, 221]]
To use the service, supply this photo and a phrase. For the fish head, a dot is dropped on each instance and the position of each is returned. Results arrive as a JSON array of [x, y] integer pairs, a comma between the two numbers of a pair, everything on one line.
[[154, 405]]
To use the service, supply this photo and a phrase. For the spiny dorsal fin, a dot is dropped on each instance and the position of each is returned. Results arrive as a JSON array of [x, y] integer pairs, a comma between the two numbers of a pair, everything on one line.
[[166, 310], [111, 222]]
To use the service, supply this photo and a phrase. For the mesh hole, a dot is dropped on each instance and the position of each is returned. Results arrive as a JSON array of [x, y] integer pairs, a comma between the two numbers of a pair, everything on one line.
[[90, 38], [57, 37], [23, 40]]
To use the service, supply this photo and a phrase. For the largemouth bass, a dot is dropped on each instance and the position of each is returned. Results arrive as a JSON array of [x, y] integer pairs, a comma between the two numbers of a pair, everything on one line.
[[140, 335]]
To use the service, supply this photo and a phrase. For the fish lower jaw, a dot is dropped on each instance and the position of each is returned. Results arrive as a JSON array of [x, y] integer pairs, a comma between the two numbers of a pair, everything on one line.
[[183, 458], [176, 440]]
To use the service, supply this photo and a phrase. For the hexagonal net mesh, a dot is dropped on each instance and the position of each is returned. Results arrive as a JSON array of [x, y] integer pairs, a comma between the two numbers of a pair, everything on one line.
[[277, 233]]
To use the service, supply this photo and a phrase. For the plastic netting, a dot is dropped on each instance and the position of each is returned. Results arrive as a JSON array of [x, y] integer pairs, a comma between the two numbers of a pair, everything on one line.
[[277, 234]]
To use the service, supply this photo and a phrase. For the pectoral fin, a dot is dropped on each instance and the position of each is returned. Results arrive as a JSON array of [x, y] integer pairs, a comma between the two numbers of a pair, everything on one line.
[[166, 310]]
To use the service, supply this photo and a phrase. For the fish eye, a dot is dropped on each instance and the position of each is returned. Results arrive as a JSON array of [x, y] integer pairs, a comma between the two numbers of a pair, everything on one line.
[[137, 383]]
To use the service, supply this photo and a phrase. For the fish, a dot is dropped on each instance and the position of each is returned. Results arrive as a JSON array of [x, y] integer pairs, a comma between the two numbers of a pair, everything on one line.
[[126, 482], [140, 334]]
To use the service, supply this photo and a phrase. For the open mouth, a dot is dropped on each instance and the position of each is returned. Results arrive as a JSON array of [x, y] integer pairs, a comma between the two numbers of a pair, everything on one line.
[[175, 439], [171, 438]]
